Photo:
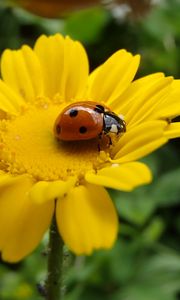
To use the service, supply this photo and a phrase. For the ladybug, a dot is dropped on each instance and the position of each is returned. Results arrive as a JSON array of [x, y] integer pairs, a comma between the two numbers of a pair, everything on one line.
[[87, 120]]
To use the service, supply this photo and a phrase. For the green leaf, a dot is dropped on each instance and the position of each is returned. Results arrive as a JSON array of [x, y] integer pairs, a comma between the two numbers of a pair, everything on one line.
[[136, 206], [156, 278], [86, 25], [153, 231], [166, 190]]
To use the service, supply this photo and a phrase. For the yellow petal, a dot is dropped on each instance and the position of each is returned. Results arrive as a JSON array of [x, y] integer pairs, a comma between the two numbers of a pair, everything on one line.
[[134, 91], [139, 88], [44, 191], [173, 131], [168, 111], [65, 66], [10, 102], [175, 88], [22, 223], [144, 99], [149, 102], [87, 219], [21, 71], [140, 141], [113, 77], [123, 177], [76, 70], [171, 107]]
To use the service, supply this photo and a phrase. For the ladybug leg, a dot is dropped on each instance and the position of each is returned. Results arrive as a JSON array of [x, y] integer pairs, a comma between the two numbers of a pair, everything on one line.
[[110, 140], [104, 141], [99, 148], [100, 138]]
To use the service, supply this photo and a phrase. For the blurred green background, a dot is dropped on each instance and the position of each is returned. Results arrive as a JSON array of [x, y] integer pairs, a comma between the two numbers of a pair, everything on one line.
[[145, 262]]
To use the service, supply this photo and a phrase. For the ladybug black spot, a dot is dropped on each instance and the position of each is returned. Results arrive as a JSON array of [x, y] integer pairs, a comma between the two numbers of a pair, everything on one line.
[[82, 129], [58, 129], [73, 113]]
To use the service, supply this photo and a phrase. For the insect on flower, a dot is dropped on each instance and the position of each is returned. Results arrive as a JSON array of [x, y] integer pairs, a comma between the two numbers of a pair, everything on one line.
[[87, 120]]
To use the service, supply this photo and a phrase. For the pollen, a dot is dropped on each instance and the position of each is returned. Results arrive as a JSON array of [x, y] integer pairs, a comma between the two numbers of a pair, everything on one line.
[[28, 145]]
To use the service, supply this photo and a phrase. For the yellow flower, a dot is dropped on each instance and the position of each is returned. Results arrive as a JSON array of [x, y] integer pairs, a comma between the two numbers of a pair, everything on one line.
[[41, 176]]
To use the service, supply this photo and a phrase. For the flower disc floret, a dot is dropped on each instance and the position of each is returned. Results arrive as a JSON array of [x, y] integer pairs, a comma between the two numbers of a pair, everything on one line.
[[29, 146]]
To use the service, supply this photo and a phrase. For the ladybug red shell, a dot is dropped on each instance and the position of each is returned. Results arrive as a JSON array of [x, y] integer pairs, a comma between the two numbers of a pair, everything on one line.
[[87, 120]]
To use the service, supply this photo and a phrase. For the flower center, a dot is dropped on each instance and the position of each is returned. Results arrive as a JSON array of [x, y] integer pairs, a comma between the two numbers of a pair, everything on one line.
[[29, 146]]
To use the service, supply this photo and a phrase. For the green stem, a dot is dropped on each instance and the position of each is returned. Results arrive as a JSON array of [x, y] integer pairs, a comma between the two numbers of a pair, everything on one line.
[[55, 264]]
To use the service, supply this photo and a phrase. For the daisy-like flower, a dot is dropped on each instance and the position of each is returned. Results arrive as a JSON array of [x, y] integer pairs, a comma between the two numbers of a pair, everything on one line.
[[41, 176]]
